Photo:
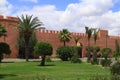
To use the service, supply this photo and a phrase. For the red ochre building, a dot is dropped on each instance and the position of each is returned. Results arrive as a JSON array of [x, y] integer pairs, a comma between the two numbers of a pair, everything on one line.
[[51, 36]]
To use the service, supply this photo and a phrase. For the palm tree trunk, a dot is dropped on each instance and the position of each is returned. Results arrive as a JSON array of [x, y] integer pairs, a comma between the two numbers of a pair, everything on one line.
[[89, 54], [89, 42], [26, 53]]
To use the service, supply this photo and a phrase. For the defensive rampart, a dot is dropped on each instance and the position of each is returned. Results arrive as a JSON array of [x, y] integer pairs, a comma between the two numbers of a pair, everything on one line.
[[10, 23]]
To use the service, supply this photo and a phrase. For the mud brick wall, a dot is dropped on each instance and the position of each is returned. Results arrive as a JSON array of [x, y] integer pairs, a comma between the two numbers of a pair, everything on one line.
[[10, 23]]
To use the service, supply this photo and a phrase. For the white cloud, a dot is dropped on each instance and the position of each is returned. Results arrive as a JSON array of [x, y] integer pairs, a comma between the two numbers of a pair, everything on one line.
[[35, 1], [5, 7], [47, 14], [92, 13]]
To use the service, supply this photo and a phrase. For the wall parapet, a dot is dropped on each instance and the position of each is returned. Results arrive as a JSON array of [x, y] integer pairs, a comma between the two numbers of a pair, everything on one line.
[[57, 32], [9, 18]]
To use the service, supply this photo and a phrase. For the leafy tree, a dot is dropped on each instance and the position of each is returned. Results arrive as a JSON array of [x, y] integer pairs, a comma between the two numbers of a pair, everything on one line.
[[27, 24], [65, 36], [65, 52], [4, 49], [43, 49]]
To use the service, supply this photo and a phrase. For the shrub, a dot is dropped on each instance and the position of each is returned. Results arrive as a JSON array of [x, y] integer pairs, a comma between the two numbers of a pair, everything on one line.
[[43, 49], [92, 53], [75, 59], [95, 51], [65, 52], [106, 63], [106, 52], [94, 61], [115, 68], [115, 77], [4, 49], [78, 50]]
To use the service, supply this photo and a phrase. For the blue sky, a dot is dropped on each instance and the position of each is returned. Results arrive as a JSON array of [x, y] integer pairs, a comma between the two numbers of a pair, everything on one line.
[[60, 4], [71, 14]]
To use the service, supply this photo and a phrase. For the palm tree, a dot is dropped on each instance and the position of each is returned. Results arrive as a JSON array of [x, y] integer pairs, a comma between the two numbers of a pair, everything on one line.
[[65, 36], [21, 45], [89, 33], [27, 24], [95, 35], [76, 40]]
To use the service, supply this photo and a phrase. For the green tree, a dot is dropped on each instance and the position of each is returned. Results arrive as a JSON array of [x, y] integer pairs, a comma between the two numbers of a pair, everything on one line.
[[76, 40], [95, 51], [65, 36], [95, 34], [21, 45], [89, 34], [106, 52], [4, 49], [27, 25], [43, 49], [65, 52]]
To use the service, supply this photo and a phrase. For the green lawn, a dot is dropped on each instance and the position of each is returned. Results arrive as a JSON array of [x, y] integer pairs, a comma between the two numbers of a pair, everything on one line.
[[54, 71]]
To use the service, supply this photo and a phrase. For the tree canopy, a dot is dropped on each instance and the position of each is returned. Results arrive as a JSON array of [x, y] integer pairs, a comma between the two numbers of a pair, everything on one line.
[[65, 36]]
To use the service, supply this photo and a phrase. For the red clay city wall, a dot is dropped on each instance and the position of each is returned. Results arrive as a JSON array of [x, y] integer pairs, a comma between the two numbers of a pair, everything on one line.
[[52, 36], [10, 24]]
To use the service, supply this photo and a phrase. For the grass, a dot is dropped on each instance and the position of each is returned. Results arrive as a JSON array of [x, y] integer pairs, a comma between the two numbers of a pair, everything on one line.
[[53, 71]]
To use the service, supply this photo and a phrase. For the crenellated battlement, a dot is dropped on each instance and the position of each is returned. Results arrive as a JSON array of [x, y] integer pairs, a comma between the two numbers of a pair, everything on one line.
[[47, 31], [42, 31], [8, 18], [57, 32]]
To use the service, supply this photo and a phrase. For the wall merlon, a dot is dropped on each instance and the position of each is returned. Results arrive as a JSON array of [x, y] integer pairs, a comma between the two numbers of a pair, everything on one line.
[[12, 18], [47, 31]]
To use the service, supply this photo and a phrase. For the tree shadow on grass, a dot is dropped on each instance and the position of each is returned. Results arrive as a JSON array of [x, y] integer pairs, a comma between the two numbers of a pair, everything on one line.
[[48, 65], [6, 75], [8, 62]]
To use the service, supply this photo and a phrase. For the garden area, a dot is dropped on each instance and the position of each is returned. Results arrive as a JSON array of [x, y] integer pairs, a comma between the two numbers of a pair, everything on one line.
[[100, 64], [57, 70]]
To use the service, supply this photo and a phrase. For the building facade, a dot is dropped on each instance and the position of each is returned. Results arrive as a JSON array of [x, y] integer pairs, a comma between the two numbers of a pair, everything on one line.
[[51, 36]]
